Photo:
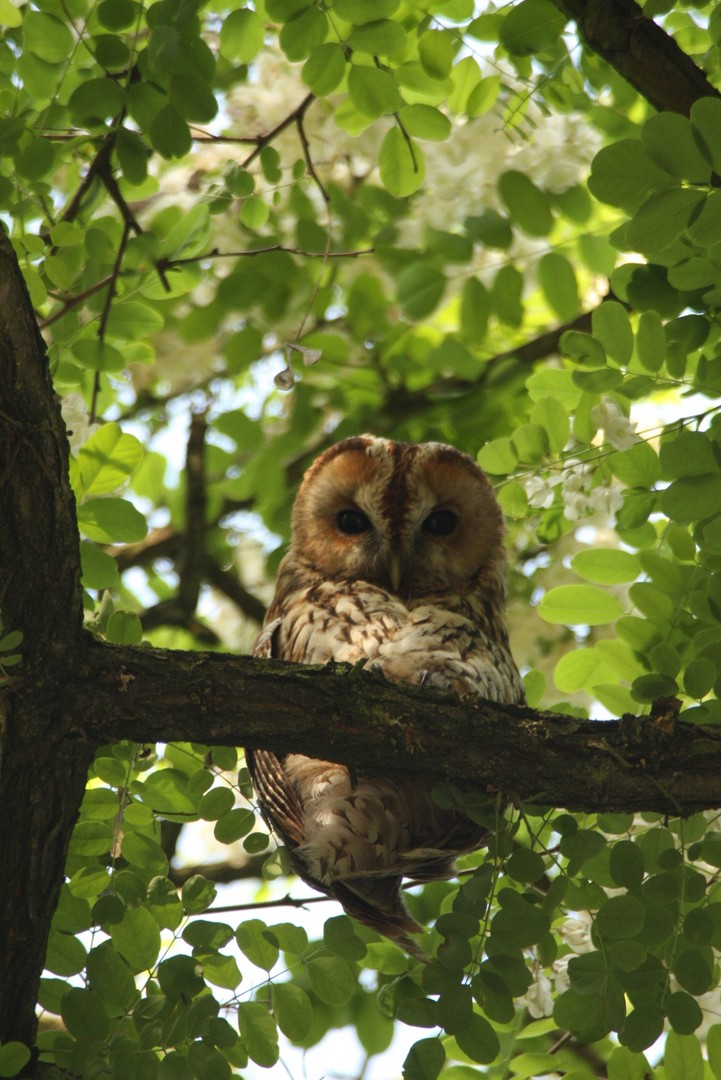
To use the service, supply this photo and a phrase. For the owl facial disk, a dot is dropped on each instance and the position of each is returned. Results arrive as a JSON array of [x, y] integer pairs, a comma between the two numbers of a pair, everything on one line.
[[412, 519]]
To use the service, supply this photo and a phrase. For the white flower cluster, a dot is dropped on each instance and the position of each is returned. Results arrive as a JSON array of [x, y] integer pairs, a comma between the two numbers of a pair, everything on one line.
[[619, 432], [76, 420], [576, 933], [559, 152], [579, 499]]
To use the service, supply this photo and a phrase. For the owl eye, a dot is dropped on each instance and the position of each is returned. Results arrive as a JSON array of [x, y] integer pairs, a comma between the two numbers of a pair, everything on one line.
[[440, 523], [352, 522]]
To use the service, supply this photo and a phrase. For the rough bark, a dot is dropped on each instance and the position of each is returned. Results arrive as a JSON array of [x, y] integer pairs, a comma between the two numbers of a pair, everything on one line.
[[641, 51], [43, 763], [636, 763]]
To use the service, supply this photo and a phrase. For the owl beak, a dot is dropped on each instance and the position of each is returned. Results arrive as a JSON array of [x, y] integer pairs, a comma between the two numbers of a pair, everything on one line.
[[396, 568]]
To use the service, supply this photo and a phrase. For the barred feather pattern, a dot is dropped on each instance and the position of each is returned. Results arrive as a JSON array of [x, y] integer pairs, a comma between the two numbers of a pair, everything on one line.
[[412, 584]]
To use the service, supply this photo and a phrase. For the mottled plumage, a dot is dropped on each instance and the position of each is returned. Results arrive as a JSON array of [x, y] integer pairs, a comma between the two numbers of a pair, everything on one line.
[[397, 560]]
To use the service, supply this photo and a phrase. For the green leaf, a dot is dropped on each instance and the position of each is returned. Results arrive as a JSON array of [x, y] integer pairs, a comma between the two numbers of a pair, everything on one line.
[[132, 319], [84, 1015], [606, 566], [699, 677], [293, 1010], [583, 1015], [361, 11], [169, 134], [684, 1013], [705, 229], [530, 442], [143, 852], [525, 866], [670, 142], [382, 37], [626, 864], [638, 466], [506, 295], [553, 418], [682, 1058], [106, 460], [98, 355], [47, 37], [192, 96], [661, 219], [484, 96], [706, 118], [373, 91], [643, 1026], [11, 17], [579, 605], [583, 349], [529, 208], [436, 50], [99, 570], [95, 101], [303, 32], [242, 35], [332, 979], [622, 174], [517, 924], [691, 453], [713, 1049], [132, 153], [137, 939], [342, 940], [692, 497], [623, 1064], [234, 825], [424, 1060], [475, 310], [425, 122], [325, 68], [531, 27], [254, 212], [498, 457], [558, 281], [651, 341], [110, 977], [198, 894], [255, 940], [111, 521], [420, 289], [612, 327], [401, 164], [693, 969], [579, 669], [478, 1040], [14, 1055], [259, 1033], [215, 803], [620, 917]]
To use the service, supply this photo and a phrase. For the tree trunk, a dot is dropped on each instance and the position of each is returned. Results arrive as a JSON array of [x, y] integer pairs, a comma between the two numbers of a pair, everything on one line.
[[43, 763]]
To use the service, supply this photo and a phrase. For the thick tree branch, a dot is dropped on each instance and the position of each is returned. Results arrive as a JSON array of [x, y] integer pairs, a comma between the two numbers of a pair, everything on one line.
[[641, 51], [636, 763]]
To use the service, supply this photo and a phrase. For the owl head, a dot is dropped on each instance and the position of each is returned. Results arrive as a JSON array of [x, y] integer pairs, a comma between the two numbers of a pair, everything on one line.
[[412, 518]]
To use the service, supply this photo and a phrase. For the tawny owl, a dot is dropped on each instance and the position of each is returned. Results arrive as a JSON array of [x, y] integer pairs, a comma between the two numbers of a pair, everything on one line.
[[397, 560]]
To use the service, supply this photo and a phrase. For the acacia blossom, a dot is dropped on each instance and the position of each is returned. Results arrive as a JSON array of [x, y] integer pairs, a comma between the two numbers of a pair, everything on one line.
[[76, 420], [618, 430]]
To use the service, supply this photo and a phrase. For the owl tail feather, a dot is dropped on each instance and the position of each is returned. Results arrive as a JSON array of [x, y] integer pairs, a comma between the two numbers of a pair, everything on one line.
[[379, 904]]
